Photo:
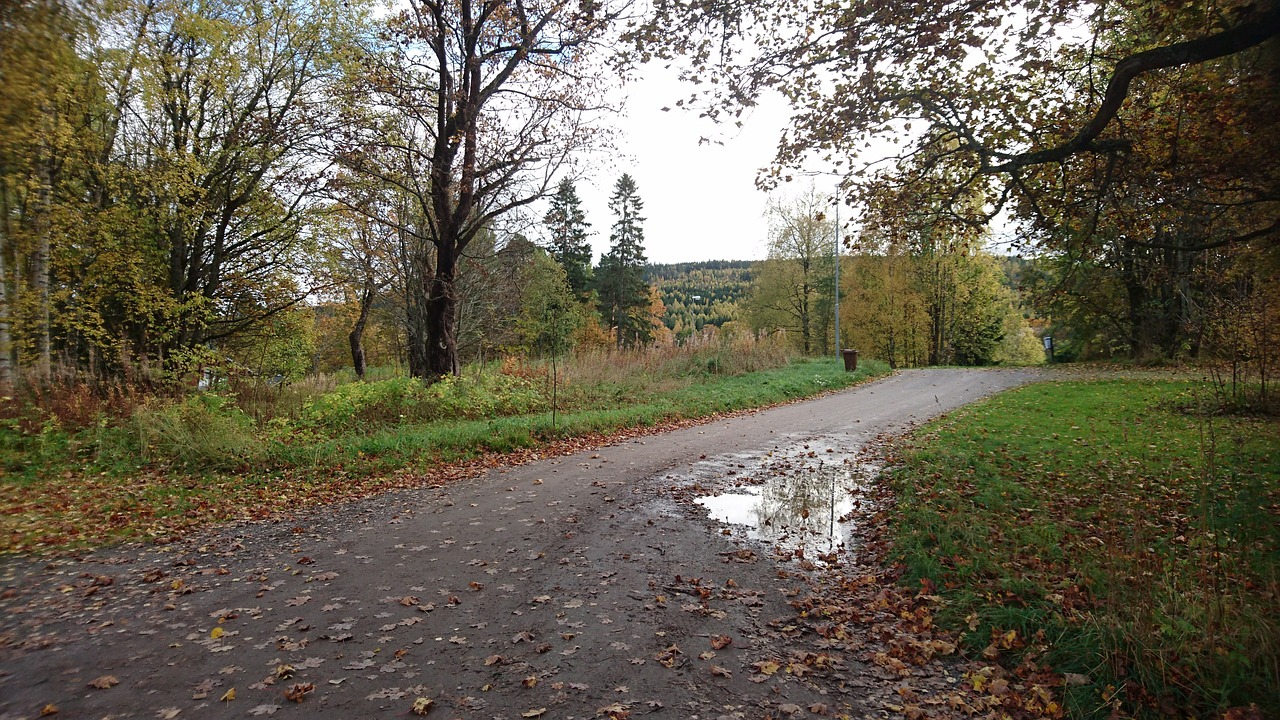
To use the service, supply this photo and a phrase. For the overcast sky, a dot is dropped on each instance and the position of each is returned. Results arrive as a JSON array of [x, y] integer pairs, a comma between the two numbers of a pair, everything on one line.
[[700, 201]]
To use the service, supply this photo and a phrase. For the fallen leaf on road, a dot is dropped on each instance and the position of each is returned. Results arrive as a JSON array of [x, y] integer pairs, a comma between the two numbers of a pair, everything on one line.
[[766, 667], [720, 642], [530, 681], [720, 672], [492, 660], [669, 656], [228, 696], [298, 691], [264, 710], [105, 682], [422, 706], [49, 709], [168, 713], [536, 712]]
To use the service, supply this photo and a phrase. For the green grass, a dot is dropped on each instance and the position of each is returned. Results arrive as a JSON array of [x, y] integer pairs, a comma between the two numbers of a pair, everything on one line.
[[172, 466], [1125, 540]]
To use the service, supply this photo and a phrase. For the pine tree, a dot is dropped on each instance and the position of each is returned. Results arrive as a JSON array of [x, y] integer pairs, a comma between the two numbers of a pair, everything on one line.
[[568, 229], [624, 295]]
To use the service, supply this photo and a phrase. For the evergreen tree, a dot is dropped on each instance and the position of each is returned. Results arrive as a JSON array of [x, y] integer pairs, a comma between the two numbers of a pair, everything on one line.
[[568, 229], [624, 295]]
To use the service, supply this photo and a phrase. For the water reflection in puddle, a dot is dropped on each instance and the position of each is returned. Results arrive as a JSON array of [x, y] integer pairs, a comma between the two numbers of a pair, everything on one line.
[[794, 498]]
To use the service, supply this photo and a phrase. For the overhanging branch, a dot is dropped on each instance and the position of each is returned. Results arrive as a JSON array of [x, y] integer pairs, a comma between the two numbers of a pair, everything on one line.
[[1249, 33]]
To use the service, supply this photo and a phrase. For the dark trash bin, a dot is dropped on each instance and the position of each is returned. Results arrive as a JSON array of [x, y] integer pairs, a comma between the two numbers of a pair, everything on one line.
[[850, 359]]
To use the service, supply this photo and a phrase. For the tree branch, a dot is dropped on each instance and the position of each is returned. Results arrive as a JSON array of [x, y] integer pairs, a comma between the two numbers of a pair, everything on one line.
[[1247, 34]]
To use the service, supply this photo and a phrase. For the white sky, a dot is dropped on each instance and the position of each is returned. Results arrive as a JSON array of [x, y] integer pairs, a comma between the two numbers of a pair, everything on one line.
[[700, 201]]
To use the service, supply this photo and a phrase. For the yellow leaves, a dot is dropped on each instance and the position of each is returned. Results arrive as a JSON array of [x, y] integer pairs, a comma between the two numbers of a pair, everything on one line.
[[48, 709], [978, 680], [766, 667], [536, 712], [422, 706], [530, 681], [1009, 640], [228, 696], [616, 711], [216, 633]]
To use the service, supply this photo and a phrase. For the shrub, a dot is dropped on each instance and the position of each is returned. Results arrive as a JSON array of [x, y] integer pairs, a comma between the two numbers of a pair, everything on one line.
[[204, 430], [393, 402]]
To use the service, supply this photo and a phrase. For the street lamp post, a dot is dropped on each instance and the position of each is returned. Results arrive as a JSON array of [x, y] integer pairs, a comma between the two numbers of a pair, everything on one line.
[[837, 343]]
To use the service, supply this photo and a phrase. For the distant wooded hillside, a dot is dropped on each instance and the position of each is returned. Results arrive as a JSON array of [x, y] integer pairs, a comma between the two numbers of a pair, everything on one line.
[[700, 293]]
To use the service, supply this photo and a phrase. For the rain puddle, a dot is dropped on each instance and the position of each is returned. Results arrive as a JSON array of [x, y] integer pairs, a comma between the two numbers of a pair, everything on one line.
[[794, 497]]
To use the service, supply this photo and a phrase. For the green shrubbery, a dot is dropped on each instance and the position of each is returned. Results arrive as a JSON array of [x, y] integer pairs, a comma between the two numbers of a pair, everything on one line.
[[204, 430], [406, 400]]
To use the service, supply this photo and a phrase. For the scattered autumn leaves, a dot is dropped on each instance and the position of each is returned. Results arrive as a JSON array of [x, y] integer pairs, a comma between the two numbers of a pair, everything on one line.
[[79, 508]]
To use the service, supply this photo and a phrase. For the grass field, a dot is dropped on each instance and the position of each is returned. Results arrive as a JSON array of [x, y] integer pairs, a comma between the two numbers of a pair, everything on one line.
[[1124, 537], [169, 466]]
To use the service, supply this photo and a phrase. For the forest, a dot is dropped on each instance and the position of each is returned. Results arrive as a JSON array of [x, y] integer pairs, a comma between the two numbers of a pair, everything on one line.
[[250, 188]]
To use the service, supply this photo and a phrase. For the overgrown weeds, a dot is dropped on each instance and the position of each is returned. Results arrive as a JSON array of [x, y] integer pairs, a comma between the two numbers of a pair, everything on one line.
[[212, 456], [1130, 545]]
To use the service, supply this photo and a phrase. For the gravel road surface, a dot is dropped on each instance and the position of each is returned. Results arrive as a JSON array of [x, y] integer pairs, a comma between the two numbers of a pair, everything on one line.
[[579, 586]]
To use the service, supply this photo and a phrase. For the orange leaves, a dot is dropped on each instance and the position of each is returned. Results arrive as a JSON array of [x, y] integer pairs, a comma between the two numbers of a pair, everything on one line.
[[720, 642], [105, 682], [298, 691], [670, 657]]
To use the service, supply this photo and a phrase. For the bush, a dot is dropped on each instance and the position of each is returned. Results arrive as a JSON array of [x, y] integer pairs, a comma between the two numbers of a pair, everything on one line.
[[204, 430], [392, 402]]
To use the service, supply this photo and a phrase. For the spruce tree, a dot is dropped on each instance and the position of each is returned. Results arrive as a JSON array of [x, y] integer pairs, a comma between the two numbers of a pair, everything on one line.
[[567, 228], [624, 296]]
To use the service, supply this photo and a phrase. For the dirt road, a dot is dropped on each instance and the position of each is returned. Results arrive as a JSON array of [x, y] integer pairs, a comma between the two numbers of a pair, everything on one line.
[[582, 586]]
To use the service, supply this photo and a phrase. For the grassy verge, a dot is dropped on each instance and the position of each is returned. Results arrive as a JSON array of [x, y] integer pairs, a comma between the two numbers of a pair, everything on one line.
[[203, 460], [1108, 531]]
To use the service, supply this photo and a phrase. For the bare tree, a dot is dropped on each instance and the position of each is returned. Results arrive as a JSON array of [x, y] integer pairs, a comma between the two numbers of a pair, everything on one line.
[[471, 110]]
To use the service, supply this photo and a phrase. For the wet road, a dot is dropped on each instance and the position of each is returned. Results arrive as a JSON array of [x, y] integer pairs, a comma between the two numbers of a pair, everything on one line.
[[573, 587]]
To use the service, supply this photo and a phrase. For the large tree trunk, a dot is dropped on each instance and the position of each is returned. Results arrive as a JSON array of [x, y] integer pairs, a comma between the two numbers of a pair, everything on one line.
[[417, 292], [442, 348], [40, 275], [6, 307], [356, 338]]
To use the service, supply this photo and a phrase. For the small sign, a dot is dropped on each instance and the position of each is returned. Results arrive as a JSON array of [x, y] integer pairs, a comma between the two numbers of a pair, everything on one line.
[[1048, 343]]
